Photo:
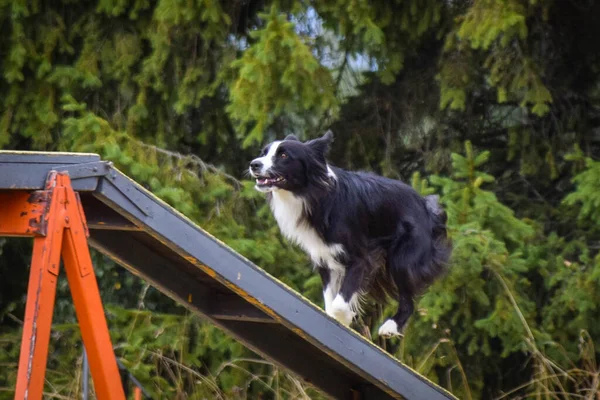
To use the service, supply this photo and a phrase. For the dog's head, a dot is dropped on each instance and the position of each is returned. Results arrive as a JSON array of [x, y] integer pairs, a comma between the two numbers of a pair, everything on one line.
[[290, 164]]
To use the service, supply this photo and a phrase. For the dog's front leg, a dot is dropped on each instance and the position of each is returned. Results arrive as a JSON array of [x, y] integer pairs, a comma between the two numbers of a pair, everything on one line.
[[346, 303], [331, 285]]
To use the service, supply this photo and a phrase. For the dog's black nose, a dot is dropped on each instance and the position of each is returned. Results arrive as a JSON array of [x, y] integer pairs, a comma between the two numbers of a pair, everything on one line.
[[255, 165]]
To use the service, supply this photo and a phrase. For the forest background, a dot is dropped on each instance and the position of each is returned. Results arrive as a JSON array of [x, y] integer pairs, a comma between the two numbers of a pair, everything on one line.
[[492, 104]]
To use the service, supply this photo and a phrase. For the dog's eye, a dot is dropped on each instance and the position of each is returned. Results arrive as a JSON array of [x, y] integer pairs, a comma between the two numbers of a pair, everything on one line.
[[283, 154]]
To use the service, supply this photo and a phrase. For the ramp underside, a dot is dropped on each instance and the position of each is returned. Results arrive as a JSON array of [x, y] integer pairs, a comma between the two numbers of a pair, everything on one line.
[[155, 242]]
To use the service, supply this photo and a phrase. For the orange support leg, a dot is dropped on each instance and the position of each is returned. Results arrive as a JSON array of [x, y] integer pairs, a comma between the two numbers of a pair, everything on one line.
[[64, 225], [40, 303], [38, 320], [88, 305]]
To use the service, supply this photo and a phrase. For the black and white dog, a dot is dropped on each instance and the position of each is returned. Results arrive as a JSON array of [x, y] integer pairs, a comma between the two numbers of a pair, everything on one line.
[[366, 234]]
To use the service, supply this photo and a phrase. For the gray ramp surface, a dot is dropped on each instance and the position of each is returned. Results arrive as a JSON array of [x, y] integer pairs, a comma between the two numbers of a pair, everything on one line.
[[154, 241]]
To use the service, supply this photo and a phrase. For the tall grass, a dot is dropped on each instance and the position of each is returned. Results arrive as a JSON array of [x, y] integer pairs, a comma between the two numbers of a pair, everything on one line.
[[165, 353]]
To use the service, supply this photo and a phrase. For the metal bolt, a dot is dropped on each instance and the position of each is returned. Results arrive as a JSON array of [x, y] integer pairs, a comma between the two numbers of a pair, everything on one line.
[[67, 220], [95, 169]]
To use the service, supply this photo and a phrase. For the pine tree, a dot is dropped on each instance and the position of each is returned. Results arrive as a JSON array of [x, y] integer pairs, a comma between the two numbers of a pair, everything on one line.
[[180, 95]]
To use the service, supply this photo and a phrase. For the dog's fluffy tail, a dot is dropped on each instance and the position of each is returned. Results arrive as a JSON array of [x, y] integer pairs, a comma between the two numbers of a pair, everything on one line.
[[436, 263]]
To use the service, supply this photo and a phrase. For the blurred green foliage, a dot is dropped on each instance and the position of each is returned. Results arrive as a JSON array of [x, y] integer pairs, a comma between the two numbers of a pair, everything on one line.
[[493, 105]]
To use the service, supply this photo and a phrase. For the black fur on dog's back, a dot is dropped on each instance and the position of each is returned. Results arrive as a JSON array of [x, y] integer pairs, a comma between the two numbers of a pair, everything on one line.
[[367, 214]]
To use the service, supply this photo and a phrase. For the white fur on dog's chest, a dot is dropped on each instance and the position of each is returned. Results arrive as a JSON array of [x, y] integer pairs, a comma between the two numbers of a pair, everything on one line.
[[287, 210]]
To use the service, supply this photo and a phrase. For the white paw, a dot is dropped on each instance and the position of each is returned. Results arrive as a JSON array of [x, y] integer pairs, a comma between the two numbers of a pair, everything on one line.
[[341, 311], [328, 296], [389, 329]]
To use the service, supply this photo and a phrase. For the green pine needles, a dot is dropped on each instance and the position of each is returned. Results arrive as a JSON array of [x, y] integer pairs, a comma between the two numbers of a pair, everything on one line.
[[492, 105]]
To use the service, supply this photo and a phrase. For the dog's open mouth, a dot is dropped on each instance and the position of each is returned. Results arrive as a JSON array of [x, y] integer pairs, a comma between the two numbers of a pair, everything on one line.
[[269, 181]]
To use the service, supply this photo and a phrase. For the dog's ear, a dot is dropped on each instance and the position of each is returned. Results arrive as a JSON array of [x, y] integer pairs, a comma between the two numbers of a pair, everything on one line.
[[292, 137], [321, 145]]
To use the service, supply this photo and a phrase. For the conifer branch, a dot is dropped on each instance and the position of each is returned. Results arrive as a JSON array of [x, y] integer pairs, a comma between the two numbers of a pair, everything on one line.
[[192, 159]]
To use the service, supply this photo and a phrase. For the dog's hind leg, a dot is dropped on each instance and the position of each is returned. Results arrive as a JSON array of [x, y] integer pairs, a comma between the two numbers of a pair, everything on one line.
[[394, 326], [402, 263]]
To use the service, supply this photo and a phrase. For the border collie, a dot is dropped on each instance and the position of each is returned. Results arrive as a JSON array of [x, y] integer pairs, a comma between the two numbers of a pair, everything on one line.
[[367, 235]]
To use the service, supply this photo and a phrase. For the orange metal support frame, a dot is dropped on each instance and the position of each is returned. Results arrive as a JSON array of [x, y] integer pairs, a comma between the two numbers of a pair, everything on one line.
[[55, 218]]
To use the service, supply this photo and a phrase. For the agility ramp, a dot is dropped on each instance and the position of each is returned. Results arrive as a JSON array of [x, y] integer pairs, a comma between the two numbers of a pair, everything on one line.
[[155, 242]]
